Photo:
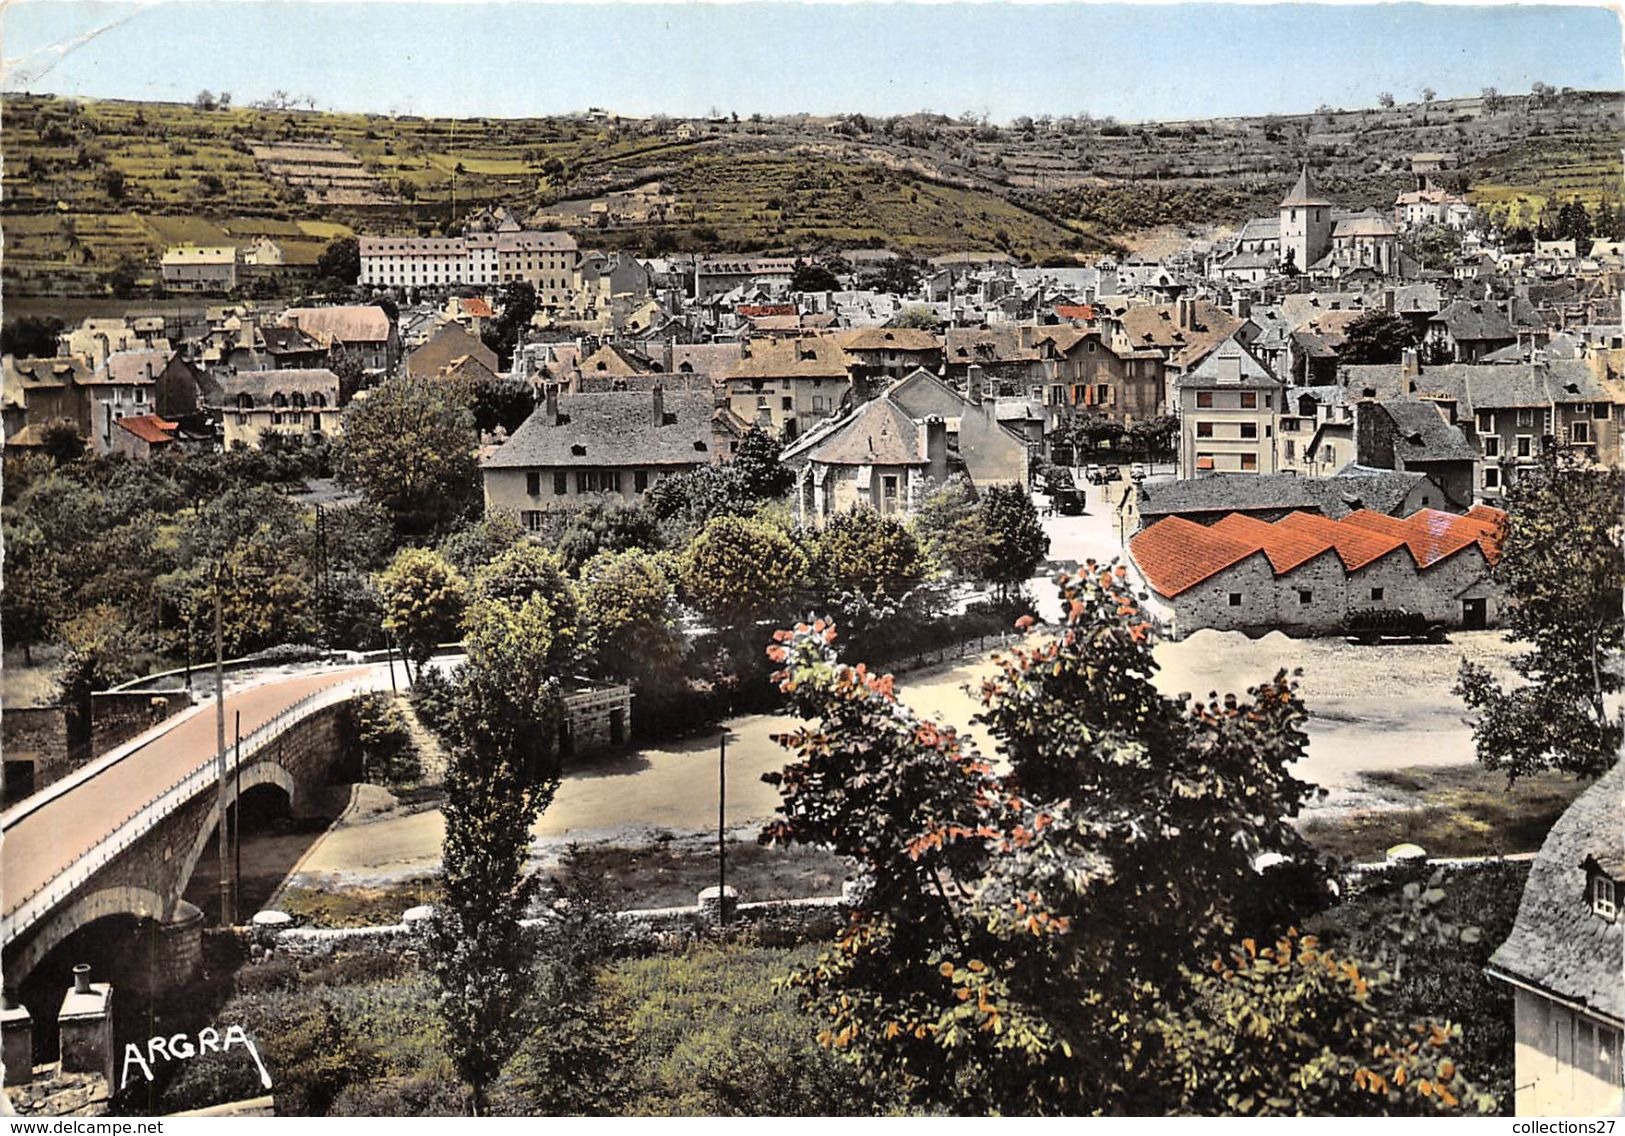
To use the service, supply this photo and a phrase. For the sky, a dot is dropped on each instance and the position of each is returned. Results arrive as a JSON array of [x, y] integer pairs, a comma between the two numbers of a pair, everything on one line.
[[510, 59]]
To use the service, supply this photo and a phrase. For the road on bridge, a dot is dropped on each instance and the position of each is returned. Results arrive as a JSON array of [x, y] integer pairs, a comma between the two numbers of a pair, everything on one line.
[[47, 833]]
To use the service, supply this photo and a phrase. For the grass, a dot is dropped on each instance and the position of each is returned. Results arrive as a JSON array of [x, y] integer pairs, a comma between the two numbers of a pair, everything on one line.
[[1462, 810]]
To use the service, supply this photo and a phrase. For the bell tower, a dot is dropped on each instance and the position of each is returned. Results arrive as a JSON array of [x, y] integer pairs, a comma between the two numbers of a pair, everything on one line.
[[1306, 224]]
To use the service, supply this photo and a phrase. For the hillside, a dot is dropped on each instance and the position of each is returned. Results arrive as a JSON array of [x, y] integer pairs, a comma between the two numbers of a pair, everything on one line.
[[90, 183]]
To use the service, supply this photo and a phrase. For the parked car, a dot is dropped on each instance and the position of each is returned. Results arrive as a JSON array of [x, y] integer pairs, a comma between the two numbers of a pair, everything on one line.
[[1091, 474], [1373, 625], [1068, 501], [1102, 474]]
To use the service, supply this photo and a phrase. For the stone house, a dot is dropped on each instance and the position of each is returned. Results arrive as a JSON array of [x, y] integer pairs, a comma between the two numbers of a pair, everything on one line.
[[876, 457], [193, 268], [39, 392], [1563, 960], [979, 441], [301, 404], [364, 330], [1467, 330], [578, 449], [1272, 496], [1408, 434], [450, 343], [123, 386], [1304, 573], [790, 385]]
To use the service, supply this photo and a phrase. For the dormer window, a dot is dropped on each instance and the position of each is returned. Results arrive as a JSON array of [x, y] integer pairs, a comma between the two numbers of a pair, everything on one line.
[[1604, 895]]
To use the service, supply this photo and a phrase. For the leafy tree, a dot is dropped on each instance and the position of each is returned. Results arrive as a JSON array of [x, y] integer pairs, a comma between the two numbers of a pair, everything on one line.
[[1017, 542], [951, 529], [1433, 246], [30, 337], [1428, 95], [123, 278], [1574, 223], [763, 476], [607, 527], [1386, 100], [62, 442], [1492, 99], [871, 556], [341, 260], [1561, 563], [100, 649], [516, 306], [479, 542], [628, 610], [1376, 337], [501, 402], [411, 449], [33, 593], [898, 275], [689, 500], [423, 602], [738, 570], [813, 277], [526, 584], [1022, 935]]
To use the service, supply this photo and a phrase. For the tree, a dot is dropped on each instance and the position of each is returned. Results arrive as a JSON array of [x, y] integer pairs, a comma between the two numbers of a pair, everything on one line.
[[113, 183], [1492, 99], [1376, 337], [1433, 246], [30, 337], [866, 555], [1386, 100], [204, 100], [526, 584], [346, 365], [1017, 542], [516, 307], [1574, 224], [1428, 95], [479, 542], [340, 260], [628, 609], [917, 316], [738, 570], [897, 275], [124, 277], [952, 531], [411, 449], [1022, 934], [813, 278], [606, 527], [762, 475], [33, 593], [423, 602], [1561, 563], [692, 499], [502, 774]]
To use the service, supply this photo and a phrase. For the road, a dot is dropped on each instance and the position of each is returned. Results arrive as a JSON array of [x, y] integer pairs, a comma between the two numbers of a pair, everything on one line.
[[48, 832]]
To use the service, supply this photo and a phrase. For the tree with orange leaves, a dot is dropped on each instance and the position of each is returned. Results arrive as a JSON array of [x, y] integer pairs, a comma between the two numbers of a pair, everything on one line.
[[1023, 936]]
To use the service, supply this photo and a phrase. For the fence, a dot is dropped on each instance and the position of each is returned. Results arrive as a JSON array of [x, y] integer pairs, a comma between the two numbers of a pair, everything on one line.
[[951, 652], [144, 818]]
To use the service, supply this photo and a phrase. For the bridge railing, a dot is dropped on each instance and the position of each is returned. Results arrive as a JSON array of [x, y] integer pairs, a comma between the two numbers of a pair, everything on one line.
[[147, 816]]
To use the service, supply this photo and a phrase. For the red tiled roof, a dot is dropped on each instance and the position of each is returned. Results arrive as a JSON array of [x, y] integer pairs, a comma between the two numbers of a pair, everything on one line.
[[1286, 548], [149, 428], [1085, 312], [1432, 535], [1175, 554], [756, 311], [1356, 546], [477, 308]]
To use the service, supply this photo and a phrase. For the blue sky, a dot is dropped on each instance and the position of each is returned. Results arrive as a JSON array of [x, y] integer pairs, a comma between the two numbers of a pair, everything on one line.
[[1003, 59]]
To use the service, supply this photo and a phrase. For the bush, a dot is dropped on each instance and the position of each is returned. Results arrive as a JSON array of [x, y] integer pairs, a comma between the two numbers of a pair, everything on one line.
[[377, 730]]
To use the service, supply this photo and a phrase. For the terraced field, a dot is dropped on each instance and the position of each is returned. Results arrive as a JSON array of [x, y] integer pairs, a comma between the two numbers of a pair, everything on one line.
[[92, 182]]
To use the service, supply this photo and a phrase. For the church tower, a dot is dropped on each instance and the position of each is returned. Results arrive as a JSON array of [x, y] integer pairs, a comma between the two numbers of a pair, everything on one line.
[[1306, 224]]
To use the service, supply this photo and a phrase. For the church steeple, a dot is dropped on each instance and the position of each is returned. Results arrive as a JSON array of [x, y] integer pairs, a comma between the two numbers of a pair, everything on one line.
[[1304, 193], [1306, 224]]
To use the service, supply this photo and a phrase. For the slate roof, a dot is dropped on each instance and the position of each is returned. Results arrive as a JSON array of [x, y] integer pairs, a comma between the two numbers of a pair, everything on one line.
[[612, 360], [880, 432], [1423, 434], [1254, 375], [130, 368], [1334, 497], [54, 371], [889, 339], [1475, 320], [1304, 192], [813, 356], [450, 343], [704, 358], [261, 385], [613, 428], [344, 323], [1558, 944], [1157, 325]]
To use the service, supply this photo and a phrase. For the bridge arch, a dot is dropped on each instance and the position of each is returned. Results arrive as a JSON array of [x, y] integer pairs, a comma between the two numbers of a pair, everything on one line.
[[253, 776], [136, 902]]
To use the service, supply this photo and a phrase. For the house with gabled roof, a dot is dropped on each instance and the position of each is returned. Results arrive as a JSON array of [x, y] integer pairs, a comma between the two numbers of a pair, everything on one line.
[[1305, 573], [1409, 434], [449, 343], [877, 456], [1564, 959], [1229, 407], [577, 449]]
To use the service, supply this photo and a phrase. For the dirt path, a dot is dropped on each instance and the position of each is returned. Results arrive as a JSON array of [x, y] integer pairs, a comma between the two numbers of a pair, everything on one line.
[[1372, 708]]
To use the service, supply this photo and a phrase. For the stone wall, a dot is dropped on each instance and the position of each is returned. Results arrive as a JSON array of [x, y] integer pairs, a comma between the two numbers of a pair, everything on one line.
[[117, 716], [38, 737]]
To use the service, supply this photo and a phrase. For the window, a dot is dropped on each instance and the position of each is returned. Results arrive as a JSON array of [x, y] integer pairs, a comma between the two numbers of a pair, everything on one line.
[[1579, 432], [1486, 422], [1492, 446], [1249, 431], [1204, 429], [1235, 599], [1602, 896], [532, 519], [561, 483], [1526, 417], [1249, 461], [1525, 446], [1290, 452], [140, 395], [789, 402], [1376, 595], [533, 483], [1599, 411], [1204, 399], [640, 480], [1102, 394], [1249, 400], [1306, 596], [1492, 478]]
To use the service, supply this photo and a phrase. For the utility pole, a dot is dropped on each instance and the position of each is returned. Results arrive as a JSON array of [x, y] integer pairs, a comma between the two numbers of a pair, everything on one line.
[[722, 850], [237, 808], [228, 912]]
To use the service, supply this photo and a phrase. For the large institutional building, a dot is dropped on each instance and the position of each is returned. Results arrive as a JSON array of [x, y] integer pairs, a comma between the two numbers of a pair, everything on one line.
[[498, 253]]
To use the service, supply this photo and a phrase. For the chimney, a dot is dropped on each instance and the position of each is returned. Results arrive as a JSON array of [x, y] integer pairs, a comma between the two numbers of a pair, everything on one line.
[[973, 383], [936, 443], [552, 407], [1537, 359], [660, 405], [1410, 363], [1388, 300], [744, 347], [292, 320]]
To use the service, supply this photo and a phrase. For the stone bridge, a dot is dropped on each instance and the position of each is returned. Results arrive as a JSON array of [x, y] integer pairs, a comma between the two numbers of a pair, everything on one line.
[[122, 836]]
